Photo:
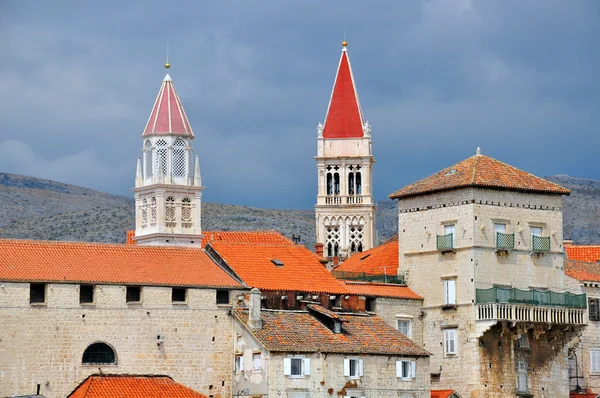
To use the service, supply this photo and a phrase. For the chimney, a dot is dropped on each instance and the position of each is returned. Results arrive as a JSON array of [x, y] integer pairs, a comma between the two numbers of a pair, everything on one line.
[[319, 249], [567, 243], [254, 321]]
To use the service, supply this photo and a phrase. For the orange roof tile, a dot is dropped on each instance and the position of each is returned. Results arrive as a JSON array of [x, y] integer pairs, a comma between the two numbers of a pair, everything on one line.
[[582, 271], [299, 331], [46, 261], [301, 270], [377, 289], [132, 386], [441, 393], [590, 254], [380, 260], [583, 395], [258, 237], [480, 171]]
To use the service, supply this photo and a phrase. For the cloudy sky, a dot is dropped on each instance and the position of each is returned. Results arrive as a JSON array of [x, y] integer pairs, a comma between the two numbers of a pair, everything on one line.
[[436, 79]]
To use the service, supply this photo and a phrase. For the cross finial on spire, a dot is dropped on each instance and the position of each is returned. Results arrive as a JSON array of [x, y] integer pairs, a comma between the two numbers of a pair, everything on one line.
[[478, 151]]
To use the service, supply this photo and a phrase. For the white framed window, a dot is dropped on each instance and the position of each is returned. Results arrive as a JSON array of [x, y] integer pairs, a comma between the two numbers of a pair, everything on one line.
[[535, 231], [353, 368], [406, 369], [595, 360], [405, 327], [239, 341], [522, 377], [450, 341], [256, 361], [296, 367], [450, 292], [239, 363], [451, 229]]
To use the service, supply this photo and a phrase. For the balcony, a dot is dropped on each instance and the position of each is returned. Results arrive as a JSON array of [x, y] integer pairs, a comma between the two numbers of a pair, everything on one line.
[[515, 305], [445, 243], [333, 200], [540, 244], [505, 242], [345, 199]]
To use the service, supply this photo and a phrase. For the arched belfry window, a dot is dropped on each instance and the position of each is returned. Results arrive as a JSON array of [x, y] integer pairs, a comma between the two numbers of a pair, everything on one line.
[[144, 211], [170, 208], [161, 156], [148, 159], [336, 183], [186, 210], [350, 183], [179, 163], [358, 183], [153, 209], [329, 184], [99, 354]]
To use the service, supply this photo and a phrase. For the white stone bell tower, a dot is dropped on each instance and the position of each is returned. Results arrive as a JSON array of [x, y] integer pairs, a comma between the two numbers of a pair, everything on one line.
[[345, 209], [168, 187]]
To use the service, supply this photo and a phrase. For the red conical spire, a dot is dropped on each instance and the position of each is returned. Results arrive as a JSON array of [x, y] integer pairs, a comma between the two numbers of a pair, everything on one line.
[[344, 117], [167, 116]]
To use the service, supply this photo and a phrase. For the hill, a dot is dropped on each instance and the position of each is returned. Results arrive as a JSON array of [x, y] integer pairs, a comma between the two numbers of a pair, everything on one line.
[[34, 208]]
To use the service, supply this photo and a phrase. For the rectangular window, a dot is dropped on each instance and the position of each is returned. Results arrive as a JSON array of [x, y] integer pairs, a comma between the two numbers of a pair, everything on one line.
[[405, 327], [353, 368], [450, 292], [451, 229], [406, 369], [595, 361], [296, 367], [523, 341], [450, 342], [256, 361], [239, 363], [535, 231], [86, 294], [134, 294], [37, 293], [179, 295], [594, 308], [238, 343], [222, 296]]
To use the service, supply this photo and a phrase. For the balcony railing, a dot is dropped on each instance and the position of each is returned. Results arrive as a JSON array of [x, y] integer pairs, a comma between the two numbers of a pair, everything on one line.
[[530, 313], [505, 241], [540, 244], [530, 297], [362, 276], [354, 199], [343, 199], [445, 243], [333, 200]]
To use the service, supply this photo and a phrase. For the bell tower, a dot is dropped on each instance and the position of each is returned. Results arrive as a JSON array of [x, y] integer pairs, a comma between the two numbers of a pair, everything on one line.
[[168, 187], [345, 209]]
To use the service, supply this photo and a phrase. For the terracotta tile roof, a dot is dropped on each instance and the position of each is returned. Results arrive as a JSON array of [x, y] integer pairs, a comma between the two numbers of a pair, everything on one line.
[[583, 395], [582, 271], [441, 393], [480, 171], [377, 289], [380, 260], [132, 386], [324, 311], [590, 254], [301, 271], [298, 331], [256, 237], [344, 117], [46, 261], [167, 116]]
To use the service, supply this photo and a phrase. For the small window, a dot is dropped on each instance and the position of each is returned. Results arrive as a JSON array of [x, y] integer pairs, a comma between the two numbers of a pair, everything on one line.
[[450, 342], [134, 294], [595, 361], [99, 353], [405, 327], [239, 342], [523, 342], [222, 296], [353, 368], [239, 363], [406, 369], [594, 308], [451, 229], [86, 294], [522, 376], [370, 304], [256, 361], [37, 293], [450, 292], [179, 295], [296, 367]]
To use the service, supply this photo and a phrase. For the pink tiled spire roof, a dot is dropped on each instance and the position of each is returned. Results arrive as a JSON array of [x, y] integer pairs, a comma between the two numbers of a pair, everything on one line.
[[167, 116]]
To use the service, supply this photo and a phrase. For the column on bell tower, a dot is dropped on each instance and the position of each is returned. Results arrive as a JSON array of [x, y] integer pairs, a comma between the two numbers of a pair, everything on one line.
[[345, 209], [168, 190]]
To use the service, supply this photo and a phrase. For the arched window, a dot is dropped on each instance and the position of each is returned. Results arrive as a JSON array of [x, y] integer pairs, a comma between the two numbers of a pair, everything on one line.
[[350, 183], [358, 183], [148, 159], [161, 156], [186, 210], [153, 209], [336, 183], [329, 184], [144, 211], [99, 353], [179, 166], [170, 208]]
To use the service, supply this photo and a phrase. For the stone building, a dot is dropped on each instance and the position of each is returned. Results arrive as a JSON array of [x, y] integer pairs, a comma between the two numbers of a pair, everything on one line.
[[481, 242], [345, 209], [317, 353]]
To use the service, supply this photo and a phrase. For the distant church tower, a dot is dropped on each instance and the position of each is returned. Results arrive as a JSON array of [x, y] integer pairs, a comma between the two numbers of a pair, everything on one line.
[[168, 187], [345, 209]]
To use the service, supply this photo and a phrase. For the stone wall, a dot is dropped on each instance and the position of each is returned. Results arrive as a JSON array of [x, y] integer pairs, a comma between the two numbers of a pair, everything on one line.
[[44, 344], [392, 309]]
